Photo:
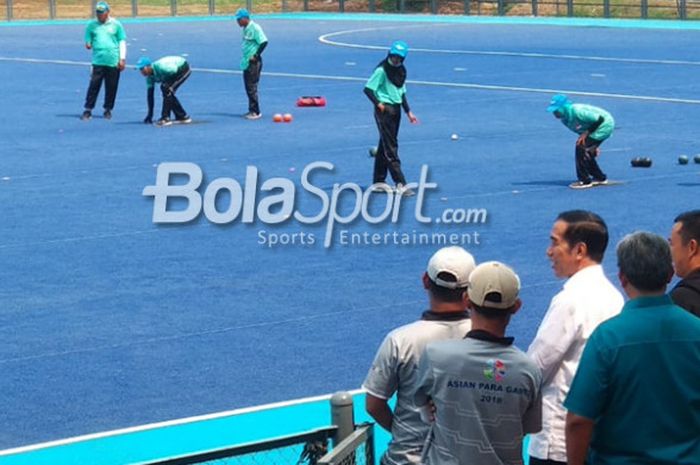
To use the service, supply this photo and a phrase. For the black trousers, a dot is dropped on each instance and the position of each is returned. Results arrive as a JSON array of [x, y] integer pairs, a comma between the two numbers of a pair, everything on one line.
[[251, 78], [170, 101], [110, 76], [586, 164], [536, 461], [387, 157]]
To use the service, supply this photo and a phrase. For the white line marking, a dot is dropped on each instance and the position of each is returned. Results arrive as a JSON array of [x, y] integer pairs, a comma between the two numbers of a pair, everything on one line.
[[169, 423], [648, 98], [325, 39]]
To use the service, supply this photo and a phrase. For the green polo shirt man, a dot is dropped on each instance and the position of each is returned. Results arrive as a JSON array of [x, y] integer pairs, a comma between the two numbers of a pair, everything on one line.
[[253, 43], [106, 38], [635, 398]]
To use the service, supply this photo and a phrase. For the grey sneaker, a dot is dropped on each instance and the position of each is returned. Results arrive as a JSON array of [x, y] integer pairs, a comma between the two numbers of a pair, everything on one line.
[[581, 185], [87, 114], [600, 182], [107, 114], [185, 120], [251, 116], [405, 191], [163, 122]]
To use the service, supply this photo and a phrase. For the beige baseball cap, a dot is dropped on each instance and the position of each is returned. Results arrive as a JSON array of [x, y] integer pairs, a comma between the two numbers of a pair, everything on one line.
[[493, 278]]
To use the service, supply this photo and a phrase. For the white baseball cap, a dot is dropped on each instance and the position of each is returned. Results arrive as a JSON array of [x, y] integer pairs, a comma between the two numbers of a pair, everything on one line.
[[455, 261], [494, 278]]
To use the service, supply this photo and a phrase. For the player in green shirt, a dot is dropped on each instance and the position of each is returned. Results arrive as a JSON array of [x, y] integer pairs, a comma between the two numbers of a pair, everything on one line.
[[593, 125], [106, 38], [386, 89], [170, 72], [253, 43]]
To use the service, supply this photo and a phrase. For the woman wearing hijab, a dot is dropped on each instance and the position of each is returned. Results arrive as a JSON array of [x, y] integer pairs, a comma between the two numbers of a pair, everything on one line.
[[386, 88]]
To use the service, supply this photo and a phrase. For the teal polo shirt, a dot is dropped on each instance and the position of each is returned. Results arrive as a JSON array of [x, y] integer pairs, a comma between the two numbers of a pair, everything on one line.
[[639, 380], [383, 88], [253, 37], [104, 39], [165, 69]]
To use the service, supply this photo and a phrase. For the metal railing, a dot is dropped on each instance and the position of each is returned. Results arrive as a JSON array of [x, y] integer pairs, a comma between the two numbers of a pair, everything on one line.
[[356, 449], [352, 445], [76, 9]]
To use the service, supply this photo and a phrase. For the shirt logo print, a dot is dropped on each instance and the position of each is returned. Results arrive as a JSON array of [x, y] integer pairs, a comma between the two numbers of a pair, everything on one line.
[[496, 370]]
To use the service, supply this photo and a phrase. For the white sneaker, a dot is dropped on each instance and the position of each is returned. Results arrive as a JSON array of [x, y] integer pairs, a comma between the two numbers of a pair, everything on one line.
[[581, 185], [600, 183], [251, 116], [382, 187]]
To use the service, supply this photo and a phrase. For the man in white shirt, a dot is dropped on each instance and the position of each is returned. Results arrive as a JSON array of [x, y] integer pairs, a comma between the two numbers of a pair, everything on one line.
[[578, 242], [395, 367]]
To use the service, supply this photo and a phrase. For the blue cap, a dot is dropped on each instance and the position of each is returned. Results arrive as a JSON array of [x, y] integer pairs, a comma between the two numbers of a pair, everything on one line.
[[399, 48], [143, 62], [242, 13], [558, 102], [102, 7]]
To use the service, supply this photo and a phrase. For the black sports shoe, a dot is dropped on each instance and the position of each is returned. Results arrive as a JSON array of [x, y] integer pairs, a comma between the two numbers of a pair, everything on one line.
[[107, 114], [87, 114]]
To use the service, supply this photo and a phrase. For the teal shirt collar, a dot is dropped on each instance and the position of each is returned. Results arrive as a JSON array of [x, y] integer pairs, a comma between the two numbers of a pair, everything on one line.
[[646, 302]]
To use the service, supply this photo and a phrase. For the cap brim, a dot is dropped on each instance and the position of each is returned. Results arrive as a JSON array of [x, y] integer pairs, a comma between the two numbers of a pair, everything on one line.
[[553, 108]]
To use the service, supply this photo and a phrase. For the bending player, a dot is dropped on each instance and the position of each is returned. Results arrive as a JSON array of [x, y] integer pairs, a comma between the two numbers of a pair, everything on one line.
[[171, 72], [594, 125]]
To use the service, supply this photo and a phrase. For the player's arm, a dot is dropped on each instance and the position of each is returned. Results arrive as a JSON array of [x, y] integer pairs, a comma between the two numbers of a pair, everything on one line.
[[371, 87], [578, 437], [150, 101], [406, 108], [257, 54], [372, 97], [379, 409], [121, 39], [88, 37], [382, 382], [122, 55]]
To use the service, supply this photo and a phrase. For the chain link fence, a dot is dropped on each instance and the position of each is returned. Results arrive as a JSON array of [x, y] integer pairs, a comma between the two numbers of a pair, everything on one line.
[[82, 9], [352, 445], [299, 449]]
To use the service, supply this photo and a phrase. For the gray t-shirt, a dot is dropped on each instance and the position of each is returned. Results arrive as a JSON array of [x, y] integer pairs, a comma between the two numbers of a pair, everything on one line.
[[487, 397], [394, 370]]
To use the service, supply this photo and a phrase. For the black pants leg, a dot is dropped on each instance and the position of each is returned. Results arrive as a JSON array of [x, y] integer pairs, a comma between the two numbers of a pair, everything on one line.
[[170, 101], [586, 164], [96, 77], [387, 157], [251, 77], [536, 461], [111, 77]]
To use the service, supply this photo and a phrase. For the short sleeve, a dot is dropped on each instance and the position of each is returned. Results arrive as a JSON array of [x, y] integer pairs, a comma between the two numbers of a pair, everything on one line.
[[376, 79], [260, 36], [121, 34], [382, 380], [589, 389]]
